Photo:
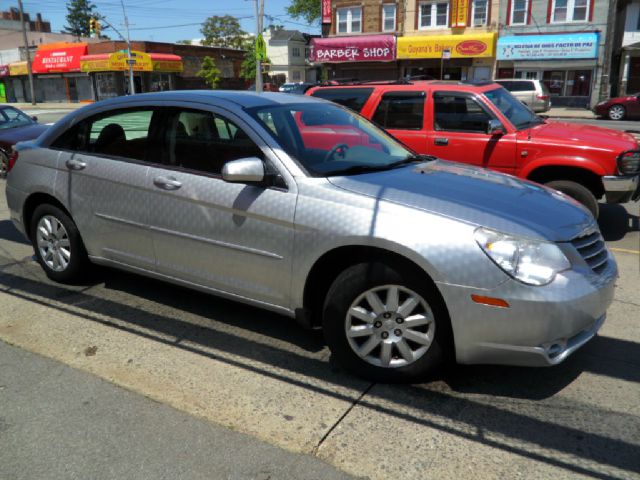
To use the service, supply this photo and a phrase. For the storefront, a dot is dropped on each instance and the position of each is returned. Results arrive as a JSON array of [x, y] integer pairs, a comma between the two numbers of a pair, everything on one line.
[[153, 72], [365, 57], [448, 57], [567, 64], [4, 83]]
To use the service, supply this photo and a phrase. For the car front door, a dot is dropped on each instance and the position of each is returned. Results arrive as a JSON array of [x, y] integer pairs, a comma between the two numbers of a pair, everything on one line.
[[402, 114], [232, 237], [459, 133], [106, 162]]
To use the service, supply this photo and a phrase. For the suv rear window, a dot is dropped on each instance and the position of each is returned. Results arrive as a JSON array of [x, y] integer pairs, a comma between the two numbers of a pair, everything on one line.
[[523, 86], [400, 111], [353, 98]]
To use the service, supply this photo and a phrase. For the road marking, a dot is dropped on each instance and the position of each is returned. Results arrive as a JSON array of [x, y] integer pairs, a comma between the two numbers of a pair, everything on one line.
[[625, 250]]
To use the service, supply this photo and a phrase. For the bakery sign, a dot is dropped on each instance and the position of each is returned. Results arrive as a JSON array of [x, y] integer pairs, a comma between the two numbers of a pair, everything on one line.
[[364, 48]]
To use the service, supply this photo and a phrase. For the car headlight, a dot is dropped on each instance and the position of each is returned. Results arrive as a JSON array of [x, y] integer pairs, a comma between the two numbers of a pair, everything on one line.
[[529, 261], [629, 162]]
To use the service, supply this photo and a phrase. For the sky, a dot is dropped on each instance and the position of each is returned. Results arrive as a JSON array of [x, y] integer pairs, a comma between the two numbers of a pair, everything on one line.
[[167, 20]]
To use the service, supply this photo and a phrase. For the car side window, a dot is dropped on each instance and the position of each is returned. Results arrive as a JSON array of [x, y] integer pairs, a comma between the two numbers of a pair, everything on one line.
[[353, 98], [523, 87], [459, 113], [400, 111], [204, 141]]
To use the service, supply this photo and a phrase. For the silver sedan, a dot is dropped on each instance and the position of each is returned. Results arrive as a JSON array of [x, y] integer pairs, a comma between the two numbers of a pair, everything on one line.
[[302, 207]]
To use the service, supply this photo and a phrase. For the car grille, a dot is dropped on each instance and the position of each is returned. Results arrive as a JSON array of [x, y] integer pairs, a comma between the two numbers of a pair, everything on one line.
[[592, 248]]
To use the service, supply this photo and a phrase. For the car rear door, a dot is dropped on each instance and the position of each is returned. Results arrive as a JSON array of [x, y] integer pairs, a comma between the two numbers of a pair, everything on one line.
[[458, 124], [231, 237], [402, 115], [107, 177]]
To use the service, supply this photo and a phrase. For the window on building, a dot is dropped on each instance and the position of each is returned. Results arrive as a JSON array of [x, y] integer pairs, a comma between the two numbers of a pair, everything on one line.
[[401, 111], [519, 12], [295, 51], [388, 17], [434, 14], [295, 75], [349, 20], [479, 12], [570, 11]]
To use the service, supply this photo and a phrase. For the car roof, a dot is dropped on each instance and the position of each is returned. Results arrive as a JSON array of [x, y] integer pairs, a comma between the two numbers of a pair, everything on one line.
[[417, 85]]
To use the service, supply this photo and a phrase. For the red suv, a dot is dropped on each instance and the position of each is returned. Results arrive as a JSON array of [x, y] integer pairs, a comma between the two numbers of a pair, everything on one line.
[[482, 124]]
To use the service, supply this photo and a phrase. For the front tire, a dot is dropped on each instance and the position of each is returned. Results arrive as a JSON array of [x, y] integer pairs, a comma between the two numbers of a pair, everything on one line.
[[617, 112], [578, 192], [386, 324], [57, 244]]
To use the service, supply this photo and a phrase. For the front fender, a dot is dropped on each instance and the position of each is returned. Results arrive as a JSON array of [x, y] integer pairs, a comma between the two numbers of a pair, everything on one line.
[[582, 163]]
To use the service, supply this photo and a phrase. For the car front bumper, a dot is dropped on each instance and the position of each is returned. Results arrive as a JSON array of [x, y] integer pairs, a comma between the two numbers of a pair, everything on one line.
[[542, 326], [621, 189]]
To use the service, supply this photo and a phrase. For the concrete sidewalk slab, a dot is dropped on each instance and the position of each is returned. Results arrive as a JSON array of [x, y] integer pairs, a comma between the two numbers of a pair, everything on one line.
[[570, 112]]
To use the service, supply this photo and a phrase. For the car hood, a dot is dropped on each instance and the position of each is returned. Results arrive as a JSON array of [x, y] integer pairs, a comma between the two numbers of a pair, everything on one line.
[[583, 134], [11, 136], [476, 196]]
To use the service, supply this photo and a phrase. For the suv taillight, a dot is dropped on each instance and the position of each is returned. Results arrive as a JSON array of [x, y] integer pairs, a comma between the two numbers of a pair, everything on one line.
[[542, 97], [13, 158]]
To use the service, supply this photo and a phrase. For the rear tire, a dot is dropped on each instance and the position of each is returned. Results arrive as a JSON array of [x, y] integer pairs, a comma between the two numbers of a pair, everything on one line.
[[4, 164], [617, 112], [57, 244], [578, 192], [403, 336]]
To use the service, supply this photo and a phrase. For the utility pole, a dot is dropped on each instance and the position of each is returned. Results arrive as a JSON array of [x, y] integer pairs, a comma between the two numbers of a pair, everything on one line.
[[132, 86], [27, 53], [259, 15]]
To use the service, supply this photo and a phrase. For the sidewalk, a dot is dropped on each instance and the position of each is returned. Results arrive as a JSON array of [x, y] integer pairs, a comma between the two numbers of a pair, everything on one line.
[[47, 106], [570, 112], [58, 422]]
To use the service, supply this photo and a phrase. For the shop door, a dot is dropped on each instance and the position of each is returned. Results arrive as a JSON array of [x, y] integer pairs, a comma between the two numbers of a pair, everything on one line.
[[633, 80], [72, 87], [581, 83]]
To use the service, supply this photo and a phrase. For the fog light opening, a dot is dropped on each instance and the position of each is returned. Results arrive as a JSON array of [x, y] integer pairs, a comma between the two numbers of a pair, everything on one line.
[[555, 349]]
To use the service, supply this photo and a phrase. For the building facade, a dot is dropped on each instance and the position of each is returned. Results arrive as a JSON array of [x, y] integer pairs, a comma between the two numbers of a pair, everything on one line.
[[287, 51], [628, 53]]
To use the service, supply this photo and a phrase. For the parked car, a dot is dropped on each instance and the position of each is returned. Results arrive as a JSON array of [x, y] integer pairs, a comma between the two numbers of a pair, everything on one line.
[[15, 126], [303, 207], [533, 93], [298, 88], [619, 108], [484, 125], [266, 87]]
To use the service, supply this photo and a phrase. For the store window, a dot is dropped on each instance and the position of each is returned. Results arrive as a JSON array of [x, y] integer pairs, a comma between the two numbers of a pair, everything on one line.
[[570, 11], [578, 83], [106, 85], [554, 80], [519, 9], [434, 15], [527, 74], [479, 12], [295, 76], [295, 51], [401, 111], [160, 82], [389, 17], [349, 20]]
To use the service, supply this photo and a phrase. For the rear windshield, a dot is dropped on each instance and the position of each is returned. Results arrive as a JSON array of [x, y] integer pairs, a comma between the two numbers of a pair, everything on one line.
[[353, 98]]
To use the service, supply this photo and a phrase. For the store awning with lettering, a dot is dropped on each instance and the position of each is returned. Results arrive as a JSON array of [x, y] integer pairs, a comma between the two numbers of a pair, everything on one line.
[[141, 62], [60, 57], [18, 68], [478, 45], [363, 48], [548, 47]]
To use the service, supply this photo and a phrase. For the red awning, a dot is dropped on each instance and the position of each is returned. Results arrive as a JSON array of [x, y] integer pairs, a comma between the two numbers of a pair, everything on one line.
[[62, 58]]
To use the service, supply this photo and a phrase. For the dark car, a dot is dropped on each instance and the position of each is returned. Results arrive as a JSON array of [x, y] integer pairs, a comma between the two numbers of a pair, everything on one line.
[[15, 126], [619, 108]]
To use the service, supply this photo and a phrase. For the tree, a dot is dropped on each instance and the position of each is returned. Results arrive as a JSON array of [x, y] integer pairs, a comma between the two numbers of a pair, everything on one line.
[[248, 67], [222, 31], [209, 72], [308, 10], [78, 16], [185, 42], [275, 27]]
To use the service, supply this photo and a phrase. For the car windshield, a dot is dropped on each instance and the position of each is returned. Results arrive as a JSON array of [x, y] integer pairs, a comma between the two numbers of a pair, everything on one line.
[[517, 113], [12, 117], [330, 140]]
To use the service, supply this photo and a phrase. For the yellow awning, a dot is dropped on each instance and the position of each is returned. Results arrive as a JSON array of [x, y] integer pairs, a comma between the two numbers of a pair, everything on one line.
[[18, 68], [478, 45]]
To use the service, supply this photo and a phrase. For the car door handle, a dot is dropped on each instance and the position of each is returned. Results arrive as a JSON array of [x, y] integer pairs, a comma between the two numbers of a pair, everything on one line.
[[167, 183], [441, 141], [73, 164]]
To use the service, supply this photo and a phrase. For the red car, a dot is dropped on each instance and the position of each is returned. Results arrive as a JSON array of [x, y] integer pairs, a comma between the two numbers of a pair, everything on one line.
[[619, 108], [484, 125], [15, 126]]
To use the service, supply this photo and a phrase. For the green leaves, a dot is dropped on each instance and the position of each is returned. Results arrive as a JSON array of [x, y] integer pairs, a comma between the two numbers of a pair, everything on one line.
[[223, 31], [209, 72], [79, 14], [309, 10]]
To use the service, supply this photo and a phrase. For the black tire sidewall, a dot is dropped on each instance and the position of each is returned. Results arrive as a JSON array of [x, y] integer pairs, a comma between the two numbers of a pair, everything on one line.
[[578, 192], [78, 261], [359, 278]]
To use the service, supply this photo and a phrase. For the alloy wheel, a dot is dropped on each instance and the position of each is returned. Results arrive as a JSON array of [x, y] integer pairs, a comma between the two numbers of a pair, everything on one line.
[[53, 242], [390, 326], [616, 112]]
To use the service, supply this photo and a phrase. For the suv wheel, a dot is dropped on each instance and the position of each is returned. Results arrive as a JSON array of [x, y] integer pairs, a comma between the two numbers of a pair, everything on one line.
[[578, 192], [617, 112], [385, 324], [57, 244]]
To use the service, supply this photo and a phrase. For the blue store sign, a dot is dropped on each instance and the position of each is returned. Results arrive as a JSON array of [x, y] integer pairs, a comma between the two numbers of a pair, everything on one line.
[[548, 47]]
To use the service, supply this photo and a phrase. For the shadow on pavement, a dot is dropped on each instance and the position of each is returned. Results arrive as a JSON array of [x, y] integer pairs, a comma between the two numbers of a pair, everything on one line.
[[573, 432], [10, 233], [615, 222]]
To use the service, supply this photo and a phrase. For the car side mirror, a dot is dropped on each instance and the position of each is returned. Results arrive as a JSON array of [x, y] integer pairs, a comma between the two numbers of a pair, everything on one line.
[[494, 127], [244, 170]]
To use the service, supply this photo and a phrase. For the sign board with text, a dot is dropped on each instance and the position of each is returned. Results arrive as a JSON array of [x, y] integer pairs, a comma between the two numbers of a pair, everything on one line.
[[364, 48], [548, 47]]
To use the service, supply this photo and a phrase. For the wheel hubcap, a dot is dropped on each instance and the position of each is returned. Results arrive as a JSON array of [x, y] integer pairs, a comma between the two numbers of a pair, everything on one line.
[[390, 326], [53, 243], [616, 113]]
